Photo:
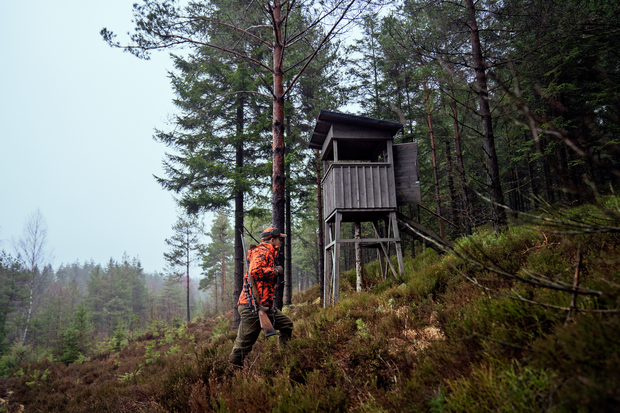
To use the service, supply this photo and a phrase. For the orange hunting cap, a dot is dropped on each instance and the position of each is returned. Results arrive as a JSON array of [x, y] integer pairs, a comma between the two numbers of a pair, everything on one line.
[[272, 232]]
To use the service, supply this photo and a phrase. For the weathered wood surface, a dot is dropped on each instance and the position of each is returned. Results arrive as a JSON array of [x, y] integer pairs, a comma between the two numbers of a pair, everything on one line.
[[358, 186], [406, 174]]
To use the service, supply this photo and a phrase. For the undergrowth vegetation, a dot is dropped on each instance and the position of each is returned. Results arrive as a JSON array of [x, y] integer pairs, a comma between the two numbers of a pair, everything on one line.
[[472, 330]]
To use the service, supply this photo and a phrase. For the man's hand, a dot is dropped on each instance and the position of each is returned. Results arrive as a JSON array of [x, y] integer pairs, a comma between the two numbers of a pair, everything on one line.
[[279, 269]]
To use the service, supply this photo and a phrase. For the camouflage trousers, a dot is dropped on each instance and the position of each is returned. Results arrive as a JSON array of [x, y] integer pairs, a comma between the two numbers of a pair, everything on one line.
[[249, 330]]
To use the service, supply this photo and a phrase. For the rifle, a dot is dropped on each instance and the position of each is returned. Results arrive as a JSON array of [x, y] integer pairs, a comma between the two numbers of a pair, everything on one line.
[[250, 287]]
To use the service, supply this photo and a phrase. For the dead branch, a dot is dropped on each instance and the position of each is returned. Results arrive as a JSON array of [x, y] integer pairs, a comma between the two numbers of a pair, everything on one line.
[[573, 301]]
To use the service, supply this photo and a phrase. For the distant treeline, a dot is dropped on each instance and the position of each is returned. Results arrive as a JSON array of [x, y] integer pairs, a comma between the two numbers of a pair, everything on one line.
[[107, 296]]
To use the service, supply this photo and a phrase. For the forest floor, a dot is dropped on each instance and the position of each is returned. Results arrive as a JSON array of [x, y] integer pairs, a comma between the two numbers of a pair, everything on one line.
[[485, 327]]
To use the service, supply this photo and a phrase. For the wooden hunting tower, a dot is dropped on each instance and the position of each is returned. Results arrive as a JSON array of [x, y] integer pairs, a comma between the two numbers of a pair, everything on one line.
[[365, 178]]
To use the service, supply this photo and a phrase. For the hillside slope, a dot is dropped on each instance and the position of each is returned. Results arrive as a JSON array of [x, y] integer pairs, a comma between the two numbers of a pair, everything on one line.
[[483, 328]]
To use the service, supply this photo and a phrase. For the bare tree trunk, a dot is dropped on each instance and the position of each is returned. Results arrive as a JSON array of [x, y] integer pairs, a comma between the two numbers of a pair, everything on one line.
[[533, 183], [32, 247], [453, 207], [278, 174], [321, 240], [224, 303], [466, 221], [288, 267], [359, 262], [217, 307], [187, 272], [493, 178], [442, 230], [238, 270]]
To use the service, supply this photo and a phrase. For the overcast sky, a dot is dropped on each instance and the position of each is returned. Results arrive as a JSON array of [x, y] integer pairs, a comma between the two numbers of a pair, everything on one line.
[[76, 125]]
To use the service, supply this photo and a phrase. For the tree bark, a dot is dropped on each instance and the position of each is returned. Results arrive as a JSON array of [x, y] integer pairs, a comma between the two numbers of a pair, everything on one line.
[[493, 178], [288, 268], [187, 286], [533, 184], [224, 303], [466, 221], [359, 263], [453, 207], [321, 240], [442, 230], [278, 175], [239, 258]]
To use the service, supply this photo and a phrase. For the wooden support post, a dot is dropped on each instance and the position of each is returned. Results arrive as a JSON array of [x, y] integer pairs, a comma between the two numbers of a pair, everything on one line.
[[327, 267], [359, 263], [336, 277], [385, 251], [399, 252], [384, 268]]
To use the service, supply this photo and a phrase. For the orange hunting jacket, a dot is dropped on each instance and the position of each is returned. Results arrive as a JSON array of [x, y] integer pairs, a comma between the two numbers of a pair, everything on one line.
[[262, 258]]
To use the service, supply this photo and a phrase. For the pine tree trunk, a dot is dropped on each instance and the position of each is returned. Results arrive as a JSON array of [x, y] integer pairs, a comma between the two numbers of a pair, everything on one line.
[[493, 177], [442, 230], [278, 175], [321, 238], [187, 269], [239, 258], [288, 268], [224, 303], [533, 183], [466, 221], [453, 207]]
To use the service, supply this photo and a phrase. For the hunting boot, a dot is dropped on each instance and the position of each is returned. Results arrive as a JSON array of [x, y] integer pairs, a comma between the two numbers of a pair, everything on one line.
[[283, 340]]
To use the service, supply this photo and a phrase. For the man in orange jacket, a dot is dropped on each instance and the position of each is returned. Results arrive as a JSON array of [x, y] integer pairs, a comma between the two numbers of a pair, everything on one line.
[[263, 269]]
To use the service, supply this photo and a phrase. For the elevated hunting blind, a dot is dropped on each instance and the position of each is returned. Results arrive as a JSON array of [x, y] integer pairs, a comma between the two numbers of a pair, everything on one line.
[[366, 177]]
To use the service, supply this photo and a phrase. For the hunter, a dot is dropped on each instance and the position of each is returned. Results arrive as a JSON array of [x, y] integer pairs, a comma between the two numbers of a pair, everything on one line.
[[262, 268]]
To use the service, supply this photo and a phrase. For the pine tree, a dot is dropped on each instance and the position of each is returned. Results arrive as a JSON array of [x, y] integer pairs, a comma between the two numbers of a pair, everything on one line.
[[216, 261], [13, 293], [186, 245]]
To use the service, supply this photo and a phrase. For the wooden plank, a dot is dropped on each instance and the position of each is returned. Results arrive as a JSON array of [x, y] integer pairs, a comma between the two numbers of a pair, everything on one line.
[[376, 176], [339, 201], [362, 189], [346, 172], [389, 152], [383, 249], [349, 131], [353, 240], [333, 190], [385, 200], [371, 188], [399, 252], [406, 179], [390, 175], [407, 172], [337, 258], [366, 164], [327, 144], [326, 267], [356, 188], [406, 196], [326, 192], [391, 187], [335, 144]]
